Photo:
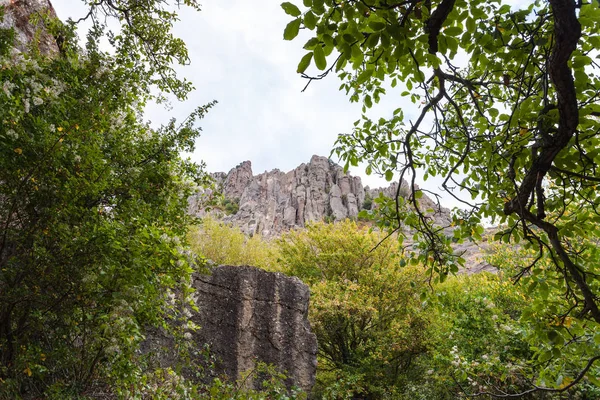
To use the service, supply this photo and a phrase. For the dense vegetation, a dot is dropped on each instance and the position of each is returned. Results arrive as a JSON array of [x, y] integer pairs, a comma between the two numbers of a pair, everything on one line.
[[383, 332], [92, 209], [94, 234], [505, 116], [93, 219]]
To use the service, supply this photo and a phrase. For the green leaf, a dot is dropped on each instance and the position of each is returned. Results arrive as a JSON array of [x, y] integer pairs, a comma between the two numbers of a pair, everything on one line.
[[471, 26], [364, 76], [389, 175], [310, 20], [453, 31], [291, 9], [545, 356], [304, 62], [318, 6], [377, 26], [581, 61], [292, 29], [372, 40], [320, 60], [593, 380], [311, 43]]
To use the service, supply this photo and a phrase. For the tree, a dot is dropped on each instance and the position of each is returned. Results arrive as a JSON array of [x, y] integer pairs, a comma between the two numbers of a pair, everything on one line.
[[507, 119], [365, 308], [92, 217], [143, 40]]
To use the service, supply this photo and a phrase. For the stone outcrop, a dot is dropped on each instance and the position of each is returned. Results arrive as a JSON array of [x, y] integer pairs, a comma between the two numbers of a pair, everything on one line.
[[244, 316], [248, 315], [274, 201], [18, 15], [237, 180]]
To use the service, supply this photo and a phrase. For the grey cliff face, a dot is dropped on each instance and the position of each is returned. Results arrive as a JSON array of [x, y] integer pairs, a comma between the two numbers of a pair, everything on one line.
[[248, 315], [273, 202], [244, 315], [18, 15], [237, 179]]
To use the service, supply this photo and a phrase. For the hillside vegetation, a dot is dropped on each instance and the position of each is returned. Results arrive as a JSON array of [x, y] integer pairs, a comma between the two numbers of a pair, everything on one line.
[[387, 331]]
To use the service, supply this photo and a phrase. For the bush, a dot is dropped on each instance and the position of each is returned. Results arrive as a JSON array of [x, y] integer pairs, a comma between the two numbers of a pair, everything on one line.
[[227, 245], [368, 202], [231, 207]]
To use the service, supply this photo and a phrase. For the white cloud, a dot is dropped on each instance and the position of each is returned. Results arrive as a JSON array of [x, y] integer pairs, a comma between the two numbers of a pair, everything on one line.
[[238, 57]]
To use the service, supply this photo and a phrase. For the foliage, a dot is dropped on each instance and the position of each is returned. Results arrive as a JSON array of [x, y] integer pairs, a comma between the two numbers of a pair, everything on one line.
[[368, 202], [365, 308], [227, 245], [92, 212], [143, 41], [565, 340], [272, 387], [167, 384], [506, 112], [484, 344], [231, 206]]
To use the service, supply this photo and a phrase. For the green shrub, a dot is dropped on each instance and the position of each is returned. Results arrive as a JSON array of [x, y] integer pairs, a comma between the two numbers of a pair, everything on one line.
[[227, 245], [231, 207]]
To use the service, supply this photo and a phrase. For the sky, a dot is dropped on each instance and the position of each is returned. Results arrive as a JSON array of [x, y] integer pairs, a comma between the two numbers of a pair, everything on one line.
[[239, 58]]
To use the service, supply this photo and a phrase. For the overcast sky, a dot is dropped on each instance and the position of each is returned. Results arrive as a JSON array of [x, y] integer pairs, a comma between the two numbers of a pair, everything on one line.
[[238, 57]]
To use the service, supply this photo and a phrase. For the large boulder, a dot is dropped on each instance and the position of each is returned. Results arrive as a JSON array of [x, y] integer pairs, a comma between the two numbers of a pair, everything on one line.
[[244, 316], [247, 315]]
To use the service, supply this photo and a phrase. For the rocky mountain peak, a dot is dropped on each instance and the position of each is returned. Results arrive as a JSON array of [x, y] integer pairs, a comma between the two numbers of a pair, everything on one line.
[[237, 179], [276, 201]]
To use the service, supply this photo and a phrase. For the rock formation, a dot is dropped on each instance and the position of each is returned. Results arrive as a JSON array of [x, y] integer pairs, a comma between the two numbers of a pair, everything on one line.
[[247, 315], [18, 15], [244, 315], [273, 202]]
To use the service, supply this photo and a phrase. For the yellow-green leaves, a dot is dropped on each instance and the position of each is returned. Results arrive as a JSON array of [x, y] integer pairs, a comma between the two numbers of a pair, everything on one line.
[[389, 175], [319, 56], [453, 31], [310, 20]]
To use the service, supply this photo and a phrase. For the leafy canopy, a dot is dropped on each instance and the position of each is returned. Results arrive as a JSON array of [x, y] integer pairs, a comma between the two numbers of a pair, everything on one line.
[[506, 116], [92, 219], [365, 308]]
